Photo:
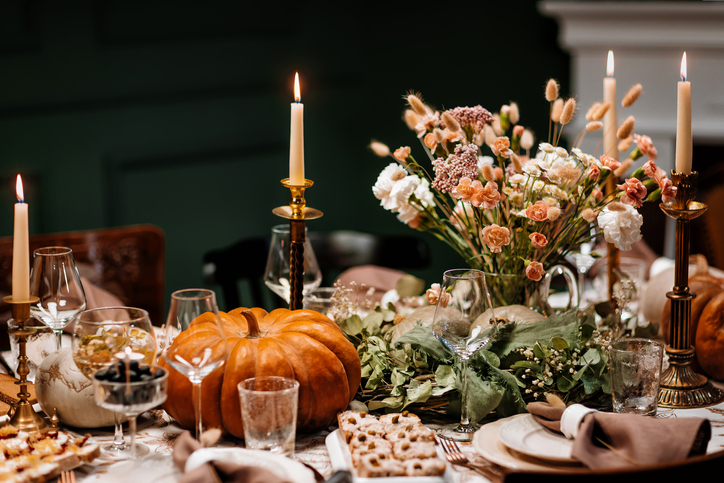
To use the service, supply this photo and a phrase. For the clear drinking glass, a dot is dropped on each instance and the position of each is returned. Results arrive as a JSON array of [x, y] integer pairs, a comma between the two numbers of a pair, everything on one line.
[[635, 368], [54, 279], [269, 412], [276, 274], [189, 307], [99, 336], [131, 398], [463, 298]]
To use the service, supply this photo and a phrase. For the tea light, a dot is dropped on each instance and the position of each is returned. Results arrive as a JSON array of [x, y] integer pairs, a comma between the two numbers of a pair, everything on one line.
[[127, 356]]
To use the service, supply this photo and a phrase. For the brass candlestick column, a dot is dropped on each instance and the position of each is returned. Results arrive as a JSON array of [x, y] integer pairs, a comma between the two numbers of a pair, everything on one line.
[[23, 415], [681, 387], [297, 213]]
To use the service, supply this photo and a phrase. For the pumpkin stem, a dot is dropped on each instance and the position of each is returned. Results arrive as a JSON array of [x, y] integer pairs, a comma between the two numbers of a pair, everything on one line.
[[253, 324]]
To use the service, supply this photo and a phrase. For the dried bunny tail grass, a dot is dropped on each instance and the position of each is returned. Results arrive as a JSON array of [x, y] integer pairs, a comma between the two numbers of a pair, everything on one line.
[[417, 105], [591, 110], [621, 170], [601, 111], [526, 140], [551, 90], [490, 135], [594, 126], [555, 401], [626, 128], [411, 119], [515, 159], [514, 113], [557, 110], [380, 149], [632, 95], [569, 108], [450, 122], [487, 171], [439, 135], [625, 144]]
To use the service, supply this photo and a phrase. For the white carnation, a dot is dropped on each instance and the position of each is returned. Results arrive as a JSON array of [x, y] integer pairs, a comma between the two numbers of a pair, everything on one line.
[[386, 182], [621, 225]]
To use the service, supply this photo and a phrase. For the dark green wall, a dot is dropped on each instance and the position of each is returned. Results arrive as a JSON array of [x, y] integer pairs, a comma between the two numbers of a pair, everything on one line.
[[176, 113]]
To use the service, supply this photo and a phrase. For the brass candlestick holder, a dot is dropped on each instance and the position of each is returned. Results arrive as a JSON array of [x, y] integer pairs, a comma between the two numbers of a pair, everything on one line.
[[297, 213], [23, 416], [681, 386]]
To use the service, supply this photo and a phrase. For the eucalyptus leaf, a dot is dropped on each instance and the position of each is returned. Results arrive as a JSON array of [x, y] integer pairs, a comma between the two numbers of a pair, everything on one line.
[[352, 325], [419, 392], [564, 326], [421, 338], [389, 402], [445, 375]]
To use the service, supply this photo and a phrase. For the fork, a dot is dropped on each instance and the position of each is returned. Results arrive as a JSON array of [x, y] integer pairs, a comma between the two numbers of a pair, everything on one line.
[[453, 454], [67, 477]]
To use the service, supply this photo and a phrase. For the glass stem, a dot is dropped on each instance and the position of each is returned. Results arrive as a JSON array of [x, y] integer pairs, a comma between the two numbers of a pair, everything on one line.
[[197, 399], [464, 416], [58, 337], [132, 432], [119, 444]]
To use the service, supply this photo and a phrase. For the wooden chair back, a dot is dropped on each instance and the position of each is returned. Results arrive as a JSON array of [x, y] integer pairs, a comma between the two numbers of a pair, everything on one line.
[[127, 261]]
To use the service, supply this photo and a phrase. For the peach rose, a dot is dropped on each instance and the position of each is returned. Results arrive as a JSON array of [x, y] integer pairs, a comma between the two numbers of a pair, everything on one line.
[[538, 240], [635, 192], [486, 196], [668, 190], [465, 189], [501, 147], [646, 146], [654, 172], [538, 211], [430, 141], [433, 296], [401, 154], [535, 271], [597, 194], [496, 237], [609, 162], [594, 172]]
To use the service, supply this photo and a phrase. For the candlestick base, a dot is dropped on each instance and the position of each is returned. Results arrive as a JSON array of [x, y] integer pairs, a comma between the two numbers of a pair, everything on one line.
[[297, 213], [22, 415], [681, 386]]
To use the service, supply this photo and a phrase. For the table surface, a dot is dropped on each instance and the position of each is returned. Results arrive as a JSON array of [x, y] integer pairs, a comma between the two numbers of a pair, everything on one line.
[[159, 432]]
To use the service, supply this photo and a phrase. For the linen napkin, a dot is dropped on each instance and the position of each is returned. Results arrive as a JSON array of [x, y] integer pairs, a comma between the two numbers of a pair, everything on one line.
[[611, 440], [218, 470]]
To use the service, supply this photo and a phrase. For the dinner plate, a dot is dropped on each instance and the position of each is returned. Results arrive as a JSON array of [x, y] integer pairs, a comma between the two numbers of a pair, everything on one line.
[[526, 436], [287, 468], [341, 459], [486, 442]]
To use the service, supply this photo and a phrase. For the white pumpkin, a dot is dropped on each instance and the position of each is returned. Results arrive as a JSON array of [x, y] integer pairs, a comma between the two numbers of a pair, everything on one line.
[[60, 385]]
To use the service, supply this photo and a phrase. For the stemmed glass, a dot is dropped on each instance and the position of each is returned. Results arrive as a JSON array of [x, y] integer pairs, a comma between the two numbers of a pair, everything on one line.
[[100, 337], [54, 279], [132, 398], [463, 298], [277, 272], [191, 307]]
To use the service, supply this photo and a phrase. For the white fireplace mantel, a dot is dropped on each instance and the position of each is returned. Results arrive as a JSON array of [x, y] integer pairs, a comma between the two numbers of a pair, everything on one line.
[[648, 39]]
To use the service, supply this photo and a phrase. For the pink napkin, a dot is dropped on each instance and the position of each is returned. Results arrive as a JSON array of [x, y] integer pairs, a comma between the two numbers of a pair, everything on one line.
[[382, 279], [219, 470], [610, 440]]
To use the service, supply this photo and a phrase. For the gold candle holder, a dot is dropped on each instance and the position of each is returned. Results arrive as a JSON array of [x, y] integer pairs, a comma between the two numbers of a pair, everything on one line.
[[22, 415], [613, 257], [681, 386], [297, 213]]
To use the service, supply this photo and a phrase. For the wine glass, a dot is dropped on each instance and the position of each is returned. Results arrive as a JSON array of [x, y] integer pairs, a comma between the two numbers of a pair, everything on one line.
[[117, 392], [277, 272], [54, 279], [463, 298], [189, 307], [100, 337], [583, 260]]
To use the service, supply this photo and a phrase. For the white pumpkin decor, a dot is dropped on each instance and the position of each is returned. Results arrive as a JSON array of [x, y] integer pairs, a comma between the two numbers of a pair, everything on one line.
[[60, 385]]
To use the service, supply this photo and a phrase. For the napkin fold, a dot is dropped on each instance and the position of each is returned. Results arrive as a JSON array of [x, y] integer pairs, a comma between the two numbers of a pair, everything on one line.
[[612, 440], [218, 470]]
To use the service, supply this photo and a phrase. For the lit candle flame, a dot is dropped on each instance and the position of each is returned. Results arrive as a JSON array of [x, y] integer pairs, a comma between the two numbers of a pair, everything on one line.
[[19, 190], [609, 64], [297, 92], [683, 67]]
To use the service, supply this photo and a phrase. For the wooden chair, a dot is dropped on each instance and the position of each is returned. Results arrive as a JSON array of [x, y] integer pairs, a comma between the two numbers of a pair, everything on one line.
[[127, 261], [335, 252]]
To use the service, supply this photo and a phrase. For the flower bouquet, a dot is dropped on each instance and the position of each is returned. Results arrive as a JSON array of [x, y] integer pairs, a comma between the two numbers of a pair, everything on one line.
[[507, 208]]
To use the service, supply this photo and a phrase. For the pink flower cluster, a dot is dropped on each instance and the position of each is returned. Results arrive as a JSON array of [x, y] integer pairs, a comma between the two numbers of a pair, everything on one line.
[[476, 116], [462, 164]]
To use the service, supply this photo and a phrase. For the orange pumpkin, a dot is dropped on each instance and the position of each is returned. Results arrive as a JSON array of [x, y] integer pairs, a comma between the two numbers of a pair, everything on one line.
[[300, 344], [707, 324]]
